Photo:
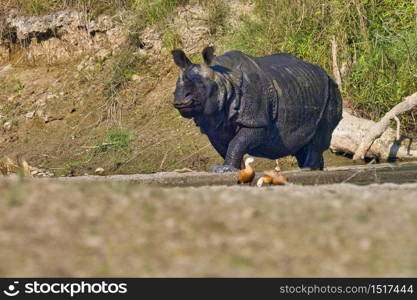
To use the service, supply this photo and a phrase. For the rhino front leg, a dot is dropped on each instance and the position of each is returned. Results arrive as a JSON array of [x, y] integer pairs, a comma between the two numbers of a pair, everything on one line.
[[245, 140]]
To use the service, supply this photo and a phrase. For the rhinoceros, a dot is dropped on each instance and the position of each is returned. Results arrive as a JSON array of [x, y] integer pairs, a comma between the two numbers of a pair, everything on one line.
[[271, 106]]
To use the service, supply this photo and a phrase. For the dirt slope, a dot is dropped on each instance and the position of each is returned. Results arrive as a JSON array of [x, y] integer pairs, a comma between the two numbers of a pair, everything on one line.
[[80, 94]]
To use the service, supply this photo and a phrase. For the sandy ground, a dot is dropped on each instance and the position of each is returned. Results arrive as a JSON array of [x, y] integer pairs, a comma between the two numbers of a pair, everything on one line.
[[125, 229]]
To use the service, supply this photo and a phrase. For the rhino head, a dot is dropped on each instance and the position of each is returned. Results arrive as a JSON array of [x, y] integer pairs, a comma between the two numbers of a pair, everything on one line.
[[196, 90]]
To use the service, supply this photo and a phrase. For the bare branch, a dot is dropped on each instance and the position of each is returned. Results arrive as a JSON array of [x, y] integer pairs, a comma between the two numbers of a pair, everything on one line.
[[351, 131], [398, 127], [379, 128], [415, 11], [336, 71]]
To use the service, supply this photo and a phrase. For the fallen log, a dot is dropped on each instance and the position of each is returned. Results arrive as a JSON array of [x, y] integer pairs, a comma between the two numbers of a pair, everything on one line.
[[365, 138], [352, 131]]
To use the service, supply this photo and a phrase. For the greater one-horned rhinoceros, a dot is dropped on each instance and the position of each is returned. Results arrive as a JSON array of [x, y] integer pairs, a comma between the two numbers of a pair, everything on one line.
[[270, 106]]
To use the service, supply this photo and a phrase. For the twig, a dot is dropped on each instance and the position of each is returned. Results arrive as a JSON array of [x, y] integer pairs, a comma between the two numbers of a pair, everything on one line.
[[94, 147], [336, 71], [164, 159], [192, 154], [415, 11], [372, 161], [351, 176], [153, 145], [398, 127], [362, 23]]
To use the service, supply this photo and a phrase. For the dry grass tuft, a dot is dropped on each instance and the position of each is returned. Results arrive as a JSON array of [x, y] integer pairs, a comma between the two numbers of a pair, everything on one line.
[[9, 166]]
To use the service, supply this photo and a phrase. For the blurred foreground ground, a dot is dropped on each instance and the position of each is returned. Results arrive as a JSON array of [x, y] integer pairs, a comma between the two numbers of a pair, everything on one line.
[[122, 229]]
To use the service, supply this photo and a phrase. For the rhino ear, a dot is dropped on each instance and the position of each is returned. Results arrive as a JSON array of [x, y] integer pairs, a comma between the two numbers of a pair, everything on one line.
[[180, 59], [208, 56]]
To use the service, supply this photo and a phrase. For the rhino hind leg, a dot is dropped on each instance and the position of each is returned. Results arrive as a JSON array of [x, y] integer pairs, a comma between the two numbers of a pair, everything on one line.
[[311, 155], [310, 158]]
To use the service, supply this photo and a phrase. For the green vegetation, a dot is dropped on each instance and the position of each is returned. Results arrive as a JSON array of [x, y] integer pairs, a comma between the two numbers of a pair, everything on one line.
[[217, 12], [149, 11], [153, 12], [120, 71], [69, 168], [116, 140], [114, 150], [39, 7], [18, 85], [377, 42]]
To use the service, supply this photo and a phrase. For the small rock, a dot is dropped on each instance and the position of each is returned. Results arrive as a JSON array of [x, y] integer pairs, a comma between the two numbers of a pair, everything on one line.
[[48, 118], [40, 113], [81, 66], [5, 68], [99, 171], [103, 53], [40, 103], [136, 77], [30, 115], [7, 125]]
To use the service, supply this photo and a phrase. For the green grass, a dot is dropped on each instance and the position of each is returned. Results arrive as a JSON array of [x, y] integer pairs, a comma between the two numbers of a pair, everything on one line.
[[112, 152], [19, 86], [69, 168], [116, 140], [378, 39], [120, 71], [94, 7], [155, 11], [217, 13], [115, 76], [172, 39]]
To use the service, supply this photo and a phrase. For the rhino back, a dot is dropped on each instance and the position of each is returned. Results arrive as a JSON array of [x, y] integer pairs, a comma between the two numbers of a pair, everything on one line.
[[297, 105], [302, 90]]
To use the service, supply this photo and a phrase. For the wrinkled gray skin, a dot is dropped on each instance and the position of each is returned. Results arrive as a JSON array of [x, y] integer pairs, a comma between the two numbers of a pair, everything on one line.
[[270, 106]]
